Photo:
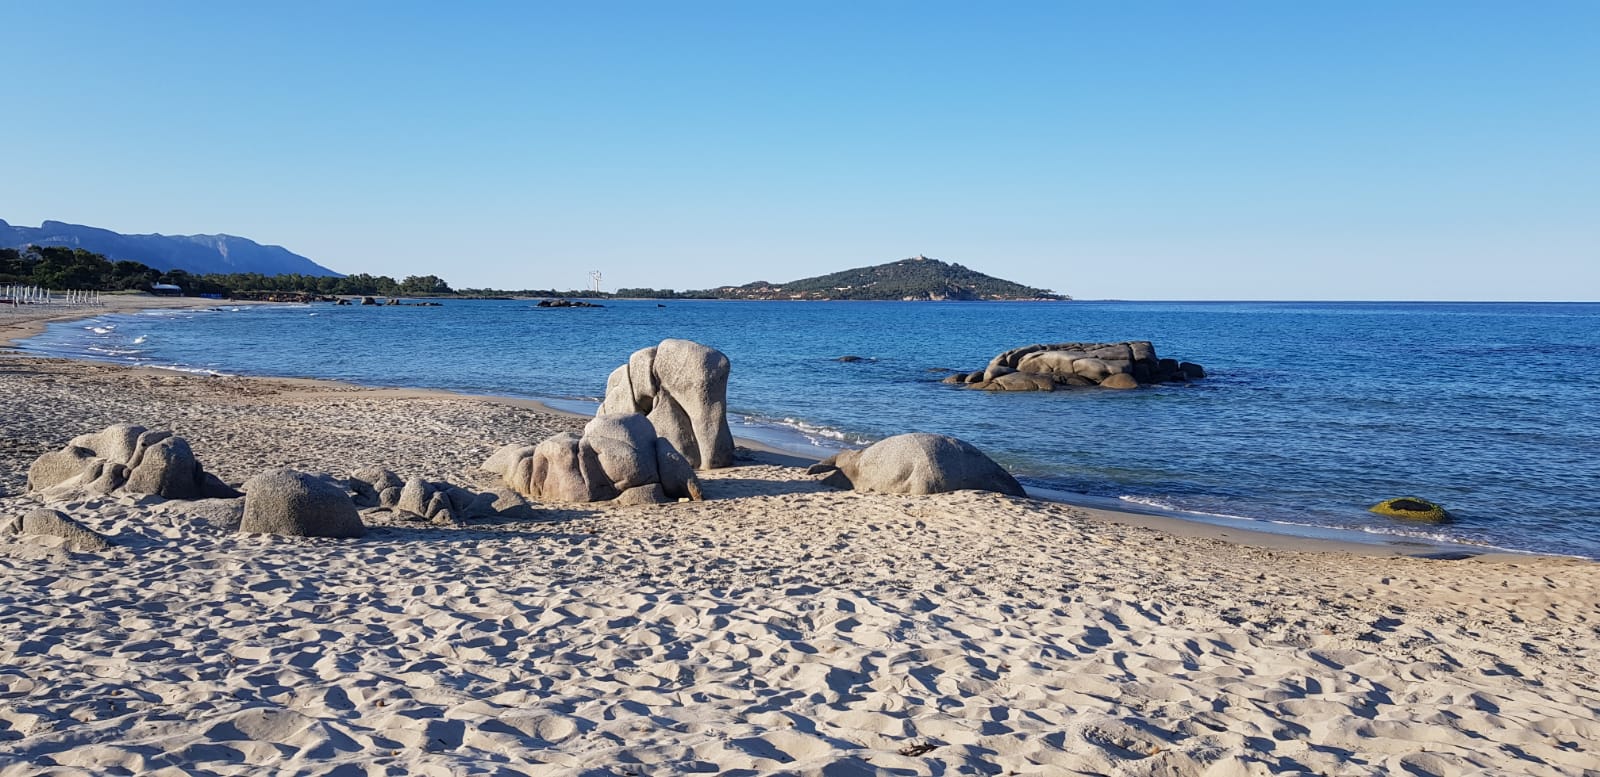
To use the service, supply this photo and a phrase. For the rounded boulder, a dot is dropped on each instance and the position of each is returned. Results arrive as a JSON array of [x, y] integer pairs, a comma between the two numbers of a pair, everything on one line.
[[296, 504], [923, 464]]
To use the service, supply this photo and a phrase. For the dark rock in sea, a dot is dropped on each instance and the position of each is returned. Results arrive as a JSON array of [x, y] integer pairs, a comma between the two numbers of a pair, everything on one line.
[[1046, 367], [566, 303], [1412, 509]]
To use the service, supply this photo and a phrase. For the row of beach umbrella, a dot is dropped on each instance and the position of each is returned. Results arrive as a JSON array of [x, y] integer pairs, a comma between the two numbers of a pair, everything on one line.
[[34, 295]]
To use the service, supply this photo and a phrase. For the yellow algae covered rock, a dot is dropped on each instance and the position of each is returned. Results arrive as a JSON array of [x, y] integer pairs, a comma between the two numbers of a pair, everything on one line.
[[1411, 508]]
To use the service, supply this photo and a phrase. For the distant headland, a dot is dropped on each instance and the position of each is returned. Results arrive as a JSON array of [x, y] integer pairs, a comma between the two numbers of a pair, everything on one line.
[[62, 267], [914, 279]]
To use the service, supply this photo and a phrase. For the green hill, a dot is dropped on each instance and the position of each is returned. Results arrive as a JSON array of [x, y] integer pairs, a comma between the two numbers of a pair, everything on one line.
[[919, 278]]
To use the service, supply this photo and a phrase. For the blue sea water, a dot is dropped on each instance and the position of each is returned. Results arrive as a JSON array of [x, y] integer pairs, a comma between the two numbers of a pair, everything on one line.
[[1311, 413]]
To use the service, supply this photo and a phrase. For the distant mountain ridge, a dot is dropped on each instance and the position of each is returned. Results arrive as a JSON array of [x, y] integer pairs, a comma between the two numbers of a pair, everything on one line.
[[917, 278], [197, 254]]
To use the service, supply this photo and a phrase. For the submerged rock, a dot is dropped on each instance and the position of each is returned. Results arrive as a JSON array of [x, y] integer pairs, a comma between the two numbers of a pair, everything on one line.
[[1411, 508]]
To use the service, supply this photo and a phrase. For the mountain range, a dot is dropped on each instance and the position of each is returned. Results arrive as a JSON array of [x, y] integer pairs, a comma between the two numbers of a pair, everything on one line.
[[196, 254]]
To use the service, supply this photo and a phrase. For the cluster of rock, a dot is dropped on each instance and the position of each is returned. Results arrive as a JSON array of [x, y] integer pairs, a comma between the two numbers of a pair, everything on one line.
[[392, 302], [566, 303], [129, 459], [441, 503], [285, 501], [1045, 367], [682, 387], [619, 458], [916, 464], [665, 415]]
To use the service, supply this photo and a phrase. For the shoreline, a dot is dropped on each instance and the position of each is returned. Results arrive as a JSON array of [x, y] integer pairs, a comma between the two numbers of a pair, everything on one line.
[[1298, 537]]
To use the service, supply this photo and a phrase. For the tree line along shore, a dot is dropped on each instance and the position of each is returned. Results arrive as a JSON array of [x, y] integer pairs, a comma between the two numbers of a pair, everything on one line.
[[918, 278]]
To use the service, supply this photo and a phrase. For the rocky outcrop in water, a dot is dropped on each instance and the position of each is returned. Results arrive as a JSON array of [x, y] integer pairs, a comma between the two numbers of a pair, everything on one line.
[[682, 386], [566, 303], [1046, 367]]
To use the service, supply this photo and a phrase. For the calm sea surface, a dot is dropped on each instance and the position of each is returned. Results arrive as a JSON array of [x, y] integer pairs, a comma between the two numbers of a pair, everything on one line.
[[1313, 411]]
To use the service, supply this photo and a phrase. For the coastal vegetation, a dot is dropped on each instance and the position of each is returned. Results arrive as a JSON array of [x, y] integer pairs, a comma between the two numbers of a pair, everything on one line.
[[59, 267]]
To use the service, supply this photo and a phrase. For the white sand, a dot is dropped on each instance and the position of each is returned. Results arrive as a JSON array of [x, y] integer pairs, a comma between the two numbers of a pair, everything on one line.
[[778, 627]]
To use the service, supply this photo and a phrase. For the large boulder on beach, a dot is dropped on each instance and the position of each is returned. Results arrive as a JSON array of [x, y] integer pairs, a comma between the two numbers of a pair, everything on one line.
[[623, 447], [57, 467], [167, 468], [297, 504], [676, 474], [619, 456], [129, 459], [1048, 366], [57, 527], [919, 464], [682, 387], [505, 458], [117, 442], [554, 471]]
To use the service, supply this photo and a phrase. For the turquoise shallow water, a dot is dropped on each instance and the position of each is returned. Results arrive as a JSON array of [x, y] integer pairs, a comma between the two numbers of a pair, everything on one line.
[[1312, 412]]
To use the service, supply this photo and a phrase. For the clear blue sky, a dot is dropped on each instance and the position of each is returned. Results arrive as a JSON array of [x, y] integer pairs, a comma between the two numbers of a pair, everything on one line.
[[1139, 150]]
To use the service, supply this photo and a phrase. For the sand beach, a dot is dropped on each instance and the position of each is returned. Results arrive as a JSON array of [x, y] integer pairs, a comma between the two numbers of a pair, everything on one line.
[[778, 627]]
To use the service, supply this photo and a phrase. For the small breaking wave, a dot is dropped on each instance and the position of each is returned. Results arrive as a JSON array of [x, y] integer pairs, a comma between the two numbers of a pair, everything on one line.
[[1161, 505], [114, 351], [189, 370]]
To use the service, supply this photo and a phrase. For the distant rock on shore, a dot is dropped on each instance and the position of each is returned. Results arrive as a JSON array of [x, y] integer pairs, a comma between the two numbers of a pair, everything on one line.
[[1044, 367]]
